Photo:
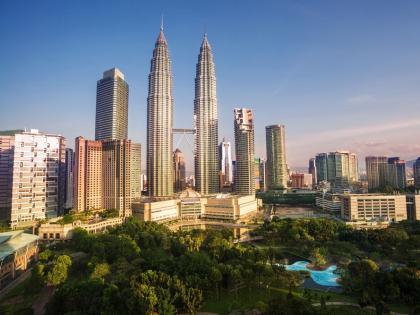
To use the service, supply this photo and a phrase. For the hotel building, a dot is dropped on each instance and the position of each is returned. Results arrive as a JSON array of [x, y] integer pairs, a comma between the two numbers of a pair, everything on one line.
[[103, 175]]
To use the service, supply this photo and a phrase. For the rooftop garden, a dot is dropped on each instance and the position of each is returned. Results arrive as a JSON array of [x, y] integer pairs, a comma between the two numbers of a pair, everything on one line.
[[87, 216]]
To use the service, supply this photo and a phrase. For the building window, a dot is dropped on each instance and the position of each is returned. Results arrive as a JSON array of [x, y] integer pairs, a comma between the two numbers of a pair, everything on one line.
[[57, 235], [44, 236]]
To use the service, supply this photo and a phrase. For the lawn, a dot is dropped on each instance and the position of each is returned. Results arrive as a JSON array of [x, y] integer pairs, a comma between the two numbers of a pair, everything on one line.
[[245, 299]]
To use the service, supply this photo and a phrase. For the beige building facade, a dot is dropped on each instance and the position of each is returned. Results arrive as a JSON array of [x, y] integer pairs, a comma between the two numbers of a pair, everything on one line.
[[373, 207], [103, 175]]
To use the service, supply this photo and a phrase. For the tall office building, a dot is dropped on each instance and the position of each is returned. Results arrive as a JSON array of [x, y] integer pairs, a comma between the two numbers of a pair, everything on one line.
[[396, 173], [32, 174], [206, 162], [111, 106], [276, 157], [377, 171], [416, 173], [68, 183], [339, 168], [312, 171], [136, 180], [159, 122], [226, 171], [321, 166], [102, 175], [179, 171], [244, 149], [383, 171]]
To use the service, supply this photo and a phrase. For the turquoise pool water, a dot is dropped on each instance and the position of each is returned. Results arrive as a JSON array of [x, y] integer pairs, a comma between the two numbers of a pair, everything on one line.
[[325, 277]]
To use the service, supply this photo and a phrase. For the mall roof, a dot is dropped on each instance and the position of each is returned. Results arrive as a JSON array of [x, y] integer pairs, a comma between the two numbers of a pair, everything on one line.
[[12, 241]]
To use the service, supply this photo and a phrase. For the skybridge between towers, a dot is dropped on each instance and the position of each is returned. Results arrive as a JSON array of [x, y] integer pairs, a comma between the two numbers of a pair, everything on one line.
[[184, 132]]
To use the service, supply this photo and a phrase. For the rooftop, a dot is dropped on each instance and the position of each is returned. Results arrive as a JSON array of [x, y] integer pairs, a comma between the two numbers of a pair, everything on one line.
[[12, 241], [189, 193]]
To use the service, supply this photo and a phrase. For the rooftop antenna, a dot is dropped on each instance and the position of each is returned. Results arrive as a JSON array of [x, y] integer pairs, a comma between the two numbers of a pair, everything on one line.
[[161, 23]]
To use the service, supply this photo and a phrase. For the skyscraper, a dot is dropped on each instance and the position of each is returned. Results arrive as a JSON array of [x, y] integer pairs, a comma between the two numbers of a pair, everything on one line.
[[416, 173], [340, 168], [312, 171], [68, 183], [383, 171], [179, 171], [136, 180], [225, 154], [32, 174], [111, 106], [276, 157], [244, 149], [159, 121], [396, 173], [321, 165], [376, 171], [206, 123]]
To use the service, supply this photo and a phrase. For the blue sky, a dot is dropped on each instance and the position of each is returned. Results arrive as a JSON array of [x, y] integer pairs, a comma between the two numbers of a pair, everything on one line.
[[338, 74]]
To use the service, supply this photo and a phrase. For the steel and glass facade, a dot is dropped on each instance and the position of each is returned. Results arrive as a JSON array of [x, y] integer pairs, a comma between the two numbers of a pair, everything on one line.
[[111, 121], [206, 163], [159, 122]]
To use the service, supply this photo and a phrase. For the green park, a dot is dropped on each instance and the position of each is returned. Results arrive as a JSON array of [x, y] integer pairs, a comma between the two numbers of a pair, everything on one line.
[[145, 268]]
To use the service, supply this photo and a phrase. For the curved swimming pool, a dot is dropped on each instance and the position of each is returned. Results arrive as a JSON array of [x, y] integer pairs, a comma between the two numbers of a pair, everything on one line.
[[325, 277]]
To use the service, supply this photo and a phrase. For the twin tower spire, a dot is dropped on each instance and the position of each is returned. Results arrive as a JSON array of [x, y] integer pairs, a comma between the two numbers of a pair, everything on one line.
[[160, 122]]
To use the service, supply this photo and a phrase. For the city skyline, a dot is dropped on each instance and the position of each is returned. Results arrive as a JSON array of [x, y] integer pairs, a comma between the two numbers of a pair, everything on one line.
[[363, 93]]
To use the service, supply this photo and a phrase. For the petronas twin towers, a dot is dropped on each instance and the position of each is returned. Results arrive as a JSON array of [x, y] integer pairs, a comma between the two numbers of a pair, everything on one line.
[[160, 122]]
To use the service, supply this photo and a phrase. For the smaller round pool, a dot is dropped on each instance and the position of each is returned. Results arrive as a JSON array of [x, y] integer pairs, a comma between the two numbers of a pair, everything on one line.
[[325, 277]]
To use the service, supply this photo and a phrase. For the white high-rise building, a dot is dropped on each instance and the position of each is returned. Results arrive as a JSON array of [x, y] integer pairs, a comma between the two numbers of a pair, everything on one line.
[[206, 123], [225, 154], [159, 122], [32, 181]]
